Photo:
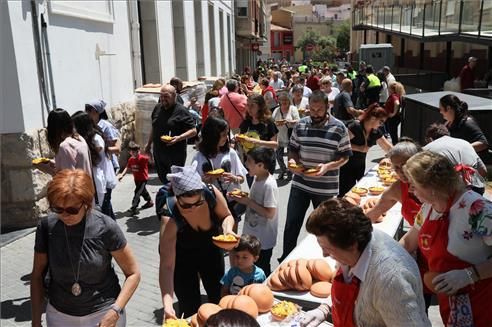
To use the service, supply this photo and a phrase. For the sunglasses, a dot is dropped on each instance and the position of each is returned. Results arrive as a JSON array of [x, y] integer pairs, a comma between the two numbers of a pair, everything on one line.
[[69, 210], [191, 205]]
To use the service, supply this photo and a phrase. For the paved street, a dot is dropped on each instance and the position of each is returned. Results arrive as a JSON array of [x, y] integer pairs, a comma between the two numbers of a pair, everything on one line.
[[145, 307]]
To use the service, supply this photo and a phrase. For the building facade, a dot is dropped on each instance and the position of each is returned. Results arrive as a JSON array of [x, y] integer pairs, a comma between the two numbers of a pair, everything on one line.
[[251, 32], [65, 53], [427, 35]]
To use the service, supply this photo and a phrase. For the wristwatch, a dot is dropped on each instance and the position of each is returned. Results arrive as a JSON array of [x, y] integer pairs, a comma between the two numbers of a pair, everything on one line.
[[117, 308]]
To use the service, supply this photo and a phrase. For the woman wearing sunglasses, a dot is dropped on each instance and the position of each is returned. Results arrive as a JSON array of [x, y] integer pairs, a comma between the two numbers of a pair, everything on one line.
[[192, 213], [76, 245], [363, 133]]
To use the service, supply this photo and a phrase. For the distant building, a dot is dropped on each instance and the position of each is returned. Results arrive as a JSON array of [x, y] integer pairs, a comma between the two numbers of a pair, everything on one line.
[[435, 36], [251, 32]]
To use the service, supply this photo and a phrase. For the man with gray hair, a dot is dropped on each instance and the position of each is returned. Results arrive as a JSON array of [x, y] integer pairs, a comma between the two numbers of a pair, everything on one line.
[[172, 124], [277, 82], [234, 105]]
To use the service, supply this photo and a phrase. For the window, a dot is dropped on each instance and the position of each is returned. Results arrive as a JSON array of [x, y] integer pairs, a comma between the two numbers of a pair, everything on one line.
[[242, 8], [450, 7], [93, 10]]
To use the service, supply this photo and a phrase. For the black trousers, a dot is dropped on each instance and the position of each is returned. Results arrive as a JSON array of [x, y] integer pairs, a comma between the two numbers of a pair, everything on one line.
[[206, 264], [351, 172], [140, 191], [264, 261], [392, 127]]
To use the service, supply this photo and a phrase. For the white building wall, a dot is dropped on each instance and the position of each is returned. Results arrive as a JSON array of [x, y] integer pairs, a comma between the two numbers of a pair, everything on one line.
[[166, 39], [189, 19], [206, 38], [78, 76]]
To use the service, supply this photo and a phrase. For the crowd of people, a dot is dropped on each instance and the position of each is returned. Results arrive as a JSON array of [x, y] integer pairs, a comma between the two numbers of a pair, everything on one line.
[[327, 120]]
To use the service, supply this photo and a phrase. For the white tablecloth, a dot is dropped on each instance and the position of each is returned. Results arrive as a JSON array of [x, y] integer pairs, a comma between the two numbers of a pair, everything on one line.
[[309, 248]]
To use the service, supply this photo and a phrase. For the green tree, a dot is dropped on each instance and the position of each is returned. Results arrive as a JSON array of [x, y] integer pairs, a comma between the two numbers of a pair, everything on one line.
[[324, 46], [343, 36]]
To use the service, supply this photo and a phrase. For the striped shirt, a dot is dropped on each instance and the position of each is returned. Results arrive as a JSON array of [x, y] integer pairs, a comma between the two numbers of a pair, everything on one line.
[[315, 145]]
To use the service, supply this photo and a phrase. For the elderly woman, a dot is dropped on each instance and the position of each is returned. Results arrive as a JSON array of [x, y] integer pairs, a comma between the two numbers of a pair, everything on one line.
[[377, 282], [400, 190], [453, 231], [192, 213], [285, 117], [76, 245]]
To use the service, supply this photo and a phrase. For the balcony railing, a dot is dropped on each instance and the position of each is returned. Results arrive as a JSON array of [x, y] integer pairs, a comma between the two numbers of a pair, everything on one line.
[[467, 18]]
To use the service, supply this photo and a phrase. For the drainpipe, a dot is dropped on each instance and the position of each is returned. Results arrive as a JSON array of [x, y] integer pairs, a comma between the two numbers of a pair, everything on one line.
[[39, 55], [44, 33]]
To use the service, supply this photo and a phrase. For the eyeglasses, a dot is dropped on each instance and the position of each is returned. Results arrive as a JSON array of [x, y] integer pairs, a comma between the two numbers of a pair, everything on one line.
[[69, 210], [191, 205]]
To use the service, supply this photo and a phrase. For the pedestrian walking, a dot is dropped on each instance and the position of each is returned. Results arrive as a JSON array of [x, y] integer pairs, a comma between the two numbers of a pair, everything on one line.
[[139, 166], [318, 141], [173, 122]]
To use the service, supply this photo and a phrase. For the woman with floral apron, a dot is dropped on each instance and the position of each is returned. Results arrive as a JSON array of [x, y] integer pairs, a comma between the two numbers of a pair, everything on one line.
[[455, 238]]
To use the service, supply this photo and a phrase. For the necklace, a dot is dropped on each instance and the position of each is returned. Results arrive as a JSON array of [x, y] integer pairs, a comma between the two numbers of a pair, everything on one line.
[[76, 288]]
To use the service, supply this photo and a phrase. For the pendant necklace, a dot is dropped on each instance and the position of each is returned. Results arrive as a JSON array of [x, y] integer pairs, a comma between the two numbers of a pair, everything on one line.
[[76, 289]]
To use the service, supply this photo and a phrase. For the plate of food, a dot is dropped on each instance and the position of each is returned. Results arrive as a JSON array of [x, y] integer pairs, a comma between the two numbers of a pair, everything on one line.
[[388, 181], [298, 168], [166, 138], [176, 323], [311, 171], [237, 192], [226, 242], [361, 191], [283, 309], [280, 122], [41, 160], [376, 190], [215, 172]]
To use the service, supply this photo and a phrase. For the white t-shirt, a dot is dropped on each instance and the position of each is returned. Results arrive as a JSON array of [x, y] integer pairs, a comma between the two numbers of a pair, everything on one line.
[[303, 104], [470, 227], [265, 193], [331, 96], [292, 114], [279, 84], [228, 161], [103, 172]]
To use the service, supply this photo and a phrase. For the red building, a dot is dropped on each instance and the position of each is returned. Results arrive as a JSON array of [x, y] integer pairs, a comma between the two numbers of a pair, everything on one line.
[[281, 42]]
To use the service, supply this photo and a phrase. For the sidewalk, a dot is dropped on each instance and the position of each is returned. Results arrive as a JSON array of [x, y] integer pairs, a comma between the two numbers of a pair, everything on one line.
[[142, 231]]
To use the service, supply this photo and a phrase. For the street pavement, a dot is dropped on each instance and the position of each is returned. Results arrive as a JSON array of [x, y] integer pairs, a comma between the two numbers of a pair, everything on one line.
[[141, 231]]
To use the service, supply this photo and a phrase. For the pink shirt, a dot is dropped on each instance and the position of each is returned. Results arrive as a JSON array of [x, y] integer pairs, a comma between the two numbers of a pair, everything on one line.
[[233, 116], [73, 154]]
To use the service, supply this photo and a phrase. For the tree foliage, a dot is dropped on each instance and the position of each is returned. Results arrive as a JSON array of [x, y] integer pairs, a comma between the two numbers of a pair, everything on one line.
[[324, 46], [343, 36]]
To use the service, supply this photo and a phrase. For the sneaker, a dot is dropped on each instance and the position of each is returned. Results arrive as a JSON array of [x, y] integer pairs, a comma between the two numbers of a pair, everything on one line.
[[149, 204]]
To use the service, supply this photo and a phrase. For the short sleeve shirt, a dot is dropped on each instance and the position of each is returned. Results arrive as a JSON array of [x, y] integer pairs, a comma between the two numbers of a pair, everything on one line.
[[73, 154], [229, 161], [319, 144], [342, 102], [357, 129], [110, 133], [470, 227], [174, 121], [264, 193], [98, 280], [235, 279], [468, 130], [139, 167]]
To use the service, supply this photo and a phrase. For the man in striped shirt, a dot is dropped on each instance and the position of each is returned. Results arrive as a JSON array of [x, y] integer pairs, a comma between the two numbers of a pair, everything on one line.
[[318, 141]]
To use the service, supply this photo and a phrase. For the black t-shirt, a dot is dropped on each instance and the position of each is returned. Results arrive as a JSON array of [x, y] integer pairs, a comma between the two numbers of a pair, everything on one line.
[[98, 280], [177, 120], [357, 129], [265, 131], [342, 102], [468, 130]]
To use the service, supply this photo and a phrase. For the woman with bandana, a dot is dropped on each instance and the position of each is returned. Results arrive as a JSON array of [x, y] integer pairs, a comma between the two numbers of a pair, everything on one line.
[[192, 213]]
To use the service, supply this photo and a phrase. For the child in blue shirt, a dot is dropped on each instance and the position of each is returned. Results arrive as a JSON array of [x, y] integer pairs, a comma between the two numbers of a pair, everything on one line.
[[245, 271]]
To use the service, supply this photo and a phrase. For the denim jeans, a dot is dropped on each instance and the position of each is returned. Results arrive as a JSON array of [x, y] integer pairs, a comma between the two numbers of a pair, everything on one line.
[[106, 207], [296, 210]]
